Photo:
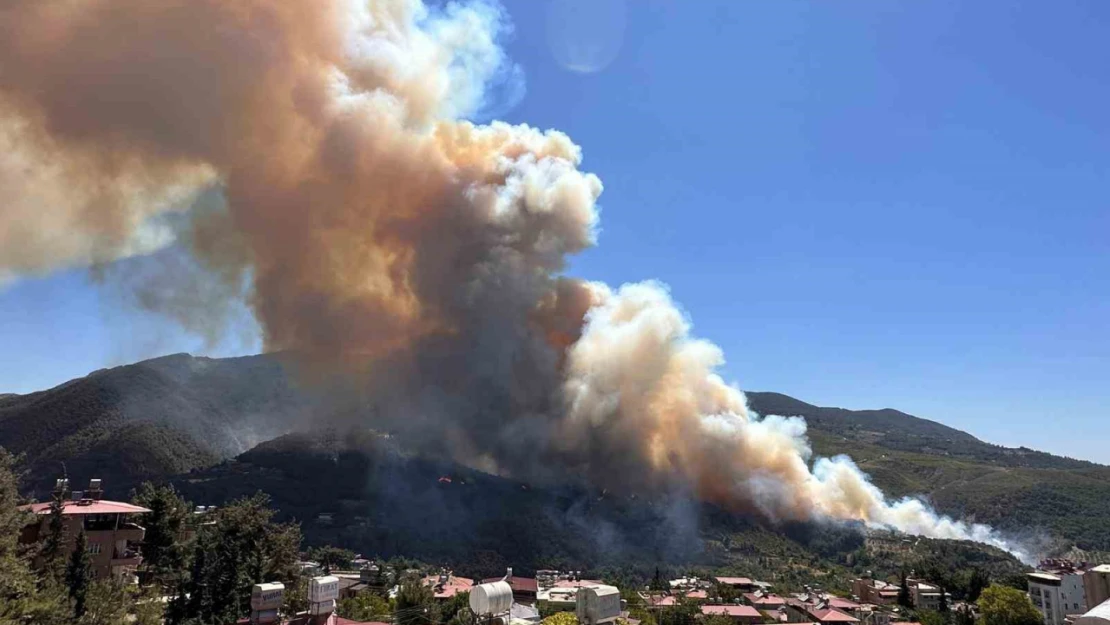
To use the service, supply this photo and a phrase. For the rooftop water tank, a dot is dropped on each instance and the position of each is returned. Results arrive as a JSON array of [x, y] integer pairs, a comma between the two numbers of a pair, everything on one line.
[[321, 589], [267, 596], [495, 598], [598, 604]]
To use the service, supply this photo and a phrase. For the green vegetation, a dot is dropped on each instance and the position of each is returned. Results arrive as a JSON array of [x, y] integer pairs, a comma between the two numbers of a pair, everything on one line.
[[332, 557], [1000, 605], [365, 606], [79, 574], [414, 605], [164, 553], [243, 546], [561, 618]]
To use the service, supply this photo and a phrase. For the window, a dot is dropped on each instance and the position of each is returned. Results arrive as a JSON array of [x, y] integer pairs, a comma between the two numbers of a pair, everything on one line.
[[94, 548]]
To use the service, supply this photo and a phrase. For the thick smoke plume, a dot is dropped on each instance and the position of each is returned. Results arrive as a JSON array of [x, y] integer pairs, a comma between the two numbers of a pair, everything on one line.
[[379, 236]]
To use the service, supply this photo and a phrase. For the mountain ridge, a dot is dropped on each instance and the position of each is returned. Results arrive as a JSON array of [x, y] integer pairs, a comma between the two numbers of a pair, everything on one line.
[[179, 414]]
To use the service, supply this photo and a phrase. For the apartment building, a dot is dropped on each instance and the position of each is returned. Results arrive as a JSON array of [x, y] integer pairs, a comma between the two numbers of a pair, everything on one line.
[[110, 527]]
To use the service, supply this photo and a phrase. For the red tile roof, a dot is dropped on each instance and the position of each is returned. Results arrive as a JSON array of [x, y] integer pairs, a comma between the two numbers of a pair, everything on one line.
[[843, 604], [697, 594], [832, 615], [454, 586], [758, 599], [661, 601], [735, 611], [96, 507]]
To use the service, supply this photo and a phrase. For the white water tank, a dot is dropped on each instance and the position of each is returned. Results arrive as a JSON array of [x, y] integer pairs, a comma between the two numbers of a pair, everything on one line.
[[267, 596], [495, 598], [598, 604], [321, 589]]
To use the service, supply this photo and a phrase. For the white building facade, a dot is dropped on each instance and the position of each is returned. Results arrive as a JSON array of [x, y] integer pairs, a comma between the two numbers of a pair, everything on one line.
[[1056, 595]]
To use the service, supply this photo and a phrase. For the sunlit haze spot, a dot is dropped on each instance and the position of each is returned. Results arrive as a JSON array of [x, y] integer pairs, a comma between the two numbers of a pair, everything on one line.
[[586, 35]]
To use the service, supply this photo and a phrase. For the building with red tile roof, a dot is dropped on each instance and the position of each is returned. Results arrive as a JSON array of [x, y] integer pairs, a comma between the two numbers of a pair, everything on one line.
[[764, 601], [740, 583], [827, 616], [845, 605], [447, 585], [525, 589], [660, 601], [110, 528], [738, 613]]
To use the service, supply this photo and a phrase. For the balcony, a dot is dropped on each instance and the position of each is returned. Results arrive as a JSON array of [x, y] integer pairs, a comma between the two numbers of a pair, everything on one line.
[[129, 556]]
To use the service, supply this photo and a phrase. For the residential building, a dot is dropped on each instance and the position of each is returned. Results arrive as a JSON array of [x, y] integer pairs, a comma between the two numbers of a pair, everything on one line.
[[926, 596], [738, 613], [1058, 590], [525, 589], [832, 616], [1098, 615], [875, 591], [743, 584], [110, 527], [446, 585], [656, 601], [1096, 585], [1058, 593], [764, 600]]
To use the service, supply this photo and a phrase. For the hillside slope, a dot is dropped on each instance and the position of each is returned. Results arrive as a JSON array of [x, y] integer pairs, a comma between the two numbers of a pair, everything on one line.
[[386, 502], [179, 413], [156, 417]]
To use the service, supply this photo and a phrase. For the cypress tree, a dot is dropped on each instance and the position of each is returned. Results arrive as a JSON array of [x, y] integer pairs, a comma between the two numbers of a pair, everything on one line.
[[78, 574], [905, 599], [53, 546]]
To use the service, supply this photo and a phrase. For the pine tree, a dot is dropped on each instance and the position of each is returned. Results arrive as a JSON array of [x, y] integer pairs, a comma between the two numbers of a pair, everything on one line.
[[78, 574], [21, 598], [163, 552]]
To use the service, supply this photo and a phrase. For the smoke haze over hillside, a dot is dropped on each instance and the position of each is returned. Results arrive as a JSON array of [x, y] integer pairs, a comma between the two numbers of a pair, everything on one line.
[[379, 236]]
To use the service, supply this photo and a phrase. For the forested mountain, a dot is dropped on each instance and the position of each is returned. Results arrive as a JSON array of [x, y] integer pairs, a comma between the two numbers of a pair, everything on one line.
[[157, 417]]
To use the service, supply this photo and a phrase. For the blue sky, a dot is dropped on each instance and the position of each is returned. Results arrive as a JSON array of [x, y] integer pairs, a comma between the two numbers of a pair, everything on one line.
[[866, 204]]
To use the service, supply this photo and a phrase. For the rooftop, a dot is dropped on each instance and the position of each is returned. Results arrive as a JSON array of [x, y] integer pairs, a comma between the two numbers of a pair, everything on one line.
[[576, 583], [757, 598], [832, 615], [518, 584], [735, 611], [734, 581], [102, 506], [843, 604], [1048, 578], [453, 586]]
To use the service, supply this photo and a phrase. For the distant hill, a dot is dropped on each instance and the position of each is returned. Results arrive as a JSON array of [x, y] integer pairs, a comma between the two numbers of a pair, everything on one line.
[[897, 430], [179, 414], [156, 417]]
